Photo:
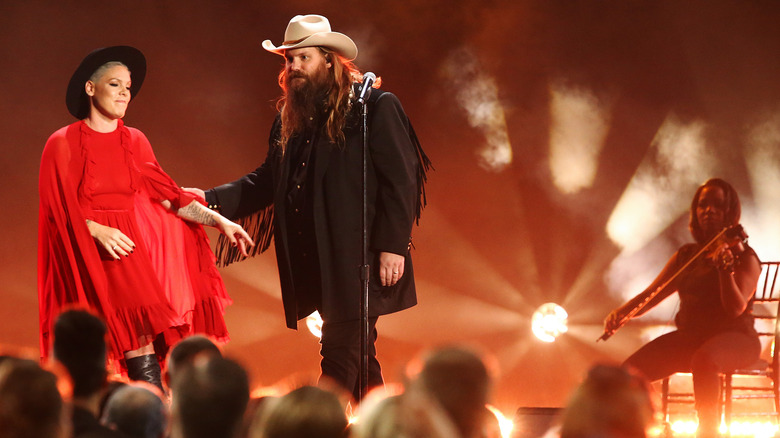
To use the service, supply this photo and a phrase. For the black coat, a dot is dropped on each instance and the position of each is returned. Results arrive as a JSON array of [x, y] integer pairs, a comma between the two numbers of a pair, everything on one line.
[[393, 196]]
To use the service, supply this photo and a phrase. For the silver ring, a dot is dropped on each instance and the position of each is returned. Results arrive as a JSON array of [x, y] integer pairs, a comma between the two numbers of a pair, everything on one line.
[[395, 272], [115, 247]]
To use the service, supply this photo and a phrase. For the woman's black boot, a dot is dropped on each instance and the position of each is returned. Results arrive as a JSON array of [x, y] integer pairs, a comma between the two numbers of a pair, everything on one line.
[[145, 368]]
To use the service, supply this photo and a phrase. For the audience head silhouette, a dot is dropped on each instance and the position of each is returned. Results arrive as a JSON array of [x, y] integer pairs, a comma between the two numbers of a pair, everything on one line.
[[611, 402], [80, 345], [137, 412], [209, 399], [458, 380], [30, 403], [184, 353], [304, 412]]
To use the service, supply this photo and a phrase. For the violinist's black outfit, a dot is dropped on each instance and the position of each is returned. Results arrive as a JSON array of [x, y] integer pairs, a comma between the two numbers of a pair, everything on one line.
[[707, 340]]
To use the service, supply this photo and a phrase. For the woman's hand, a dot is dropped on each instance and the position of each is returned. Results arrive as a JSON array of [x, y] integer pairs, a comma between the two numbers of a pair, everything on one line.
[[195, 212], [723, 256], [234, 233], [614, 320], [111, 239]]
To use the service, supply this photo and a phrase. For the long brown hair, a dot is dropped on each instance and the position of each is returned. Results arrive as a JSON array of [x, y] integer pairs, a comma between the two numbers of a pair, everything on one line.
[[342, 74]]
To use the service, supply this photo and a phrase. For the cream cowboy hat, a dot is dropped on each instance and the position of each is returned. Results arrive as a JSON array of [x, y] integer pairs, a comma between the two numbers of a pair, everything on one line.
[[313, 31]]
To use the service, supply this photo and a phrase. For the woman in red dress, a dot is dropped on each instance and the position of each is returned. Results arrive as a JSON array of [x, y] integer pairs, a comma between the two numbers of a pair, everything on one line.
[[111, 234]]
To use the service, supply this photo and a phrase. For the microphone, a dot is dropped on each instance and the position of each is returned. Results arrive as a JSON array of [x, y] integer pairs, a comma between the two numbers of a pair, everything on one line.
[[365, 90]]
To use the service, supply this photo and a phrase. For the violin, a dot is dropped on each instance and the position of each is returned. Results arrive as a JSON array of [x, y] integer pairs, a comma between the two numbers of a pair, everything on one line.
[[719, 251], [721, 248]]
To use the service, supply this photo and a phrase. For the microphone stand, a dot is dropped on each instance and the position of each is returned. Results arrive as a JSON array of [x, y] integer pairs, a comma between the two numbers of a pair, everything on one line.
[[365, 268]]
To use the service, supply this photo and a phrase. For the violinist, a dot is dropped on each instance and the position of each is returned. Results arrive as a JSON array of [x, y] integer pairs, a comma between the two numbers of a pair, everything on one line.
[[715, 330]]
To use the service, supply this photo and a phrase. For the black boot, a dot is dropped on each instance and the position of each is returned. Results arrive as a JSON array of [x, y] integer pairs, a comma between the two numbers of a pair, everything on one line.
[[146, 369]]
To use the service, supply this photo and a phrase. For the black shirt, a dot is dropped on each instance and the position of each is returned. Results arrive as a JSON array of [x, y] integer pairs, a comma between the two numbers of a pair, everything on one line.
[[300, 221]]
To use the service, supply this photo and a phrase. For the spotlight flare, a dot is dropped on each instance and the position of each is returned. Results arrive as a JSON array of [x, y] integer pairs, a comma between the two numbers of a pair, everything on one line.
[[549, 321], [314, 324]]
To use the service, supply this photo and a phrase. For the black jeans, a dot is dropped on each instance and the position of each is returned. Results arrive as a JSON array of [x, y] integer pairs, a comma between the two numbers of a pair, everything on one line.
[[341, 355], [702, 355]]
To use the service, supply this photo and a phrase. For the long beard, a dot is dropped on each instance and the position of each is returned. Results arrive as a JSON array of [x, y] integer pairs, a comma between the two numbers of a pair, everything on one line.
[[305, 101]]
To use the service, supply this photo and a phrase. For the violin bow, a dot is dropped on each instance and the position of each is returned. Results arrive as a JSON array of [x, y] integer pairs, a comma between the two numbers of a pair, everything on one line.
[[735, 229]]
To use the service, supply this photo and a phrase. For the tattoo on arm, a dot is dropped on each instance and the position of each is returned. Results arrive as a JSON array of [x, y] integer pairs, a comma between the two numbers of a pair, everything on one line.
[[197, 213]]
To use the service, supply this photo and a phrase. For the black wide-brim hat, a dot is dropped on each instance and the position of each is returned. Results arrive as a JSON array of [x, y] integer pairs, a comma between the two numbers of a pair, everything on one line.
[[76, 98]]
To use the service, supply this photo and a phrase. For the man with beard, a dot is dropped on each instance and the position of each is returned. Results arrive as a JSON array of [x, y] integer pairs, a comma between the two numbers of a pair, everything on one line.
[[308, 195]]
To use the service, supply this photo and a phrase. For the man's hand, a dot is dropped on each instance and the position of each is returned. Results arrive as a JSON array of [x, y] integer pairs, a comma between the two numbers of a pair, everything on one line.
[[391, 268], [194, 191]]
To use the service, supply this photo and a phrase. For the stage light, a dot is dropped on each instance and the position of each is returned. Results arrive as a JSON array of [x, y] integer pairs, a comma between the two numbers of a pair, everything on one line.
[[549, 321], [579, 123], [477, 93], [762, 158], [505, 425], [265, 391], [755, 429], [662, 187], [657, 430], [314, 323], [681, 427]]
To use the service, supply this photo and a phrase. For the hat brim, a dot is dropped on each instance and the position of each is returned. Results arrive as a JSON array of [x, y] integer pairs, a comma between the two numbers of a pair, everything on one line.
[[76, 97], [340, 43]]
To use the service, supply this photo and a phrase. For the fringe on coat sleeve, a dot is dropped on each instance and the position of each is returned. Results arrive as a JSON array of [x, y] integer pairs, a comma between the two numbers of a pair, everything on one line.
[[423, 168], [259, 226]]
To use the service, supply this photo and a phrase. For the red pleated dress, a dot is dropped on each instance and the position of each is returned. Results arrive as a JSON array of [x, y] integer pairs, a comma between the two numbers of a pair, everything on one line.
[[167, 288]]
